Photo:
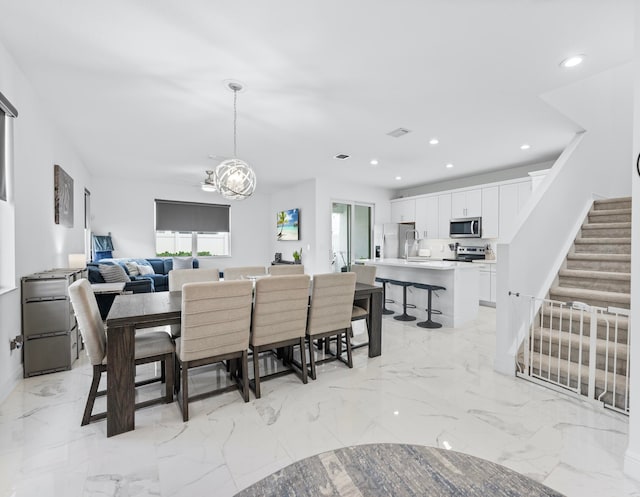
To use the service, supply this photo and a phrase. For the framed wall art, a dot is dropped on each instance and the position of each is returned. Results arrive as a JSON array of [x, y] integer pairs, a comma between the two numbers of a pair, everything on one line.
[[288, 225], [63, 197]]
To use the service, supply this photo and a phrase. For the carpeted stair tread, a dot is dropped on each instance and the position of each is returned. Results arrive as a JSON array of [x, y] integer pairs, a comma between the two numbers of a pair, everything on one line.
[[583, 273], [564, 337], [579, 294], [603, 226], [603, 241], [606, 203]]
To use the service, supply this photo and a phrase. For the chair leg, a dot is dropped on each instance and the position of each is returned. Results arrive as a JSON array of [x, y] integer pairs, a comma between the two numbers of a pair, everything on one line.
[[349, 355], [245, 375], [91, 398], [163, 372], [312, 360], [176, 369], [185, 391], [169, 369], [303, 361], [256, 372]]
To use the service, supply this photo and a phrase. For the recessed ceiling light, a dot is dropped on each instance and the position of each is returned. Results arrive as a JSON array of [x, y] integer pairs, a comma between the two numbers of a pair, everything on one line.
[[525, 146], [449, 166], [434, 141], [398, 178], [374, 162], [572, 61]]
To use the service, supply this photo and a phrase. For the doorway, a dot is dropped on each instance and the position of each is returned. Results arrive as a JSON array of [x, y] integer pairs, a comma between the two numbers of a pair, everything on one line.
[[351, 233]]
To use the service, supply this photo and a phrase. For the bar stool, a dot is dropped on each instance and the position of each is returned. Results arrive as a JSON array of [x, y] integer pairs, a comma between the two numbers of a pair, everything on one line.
[[404, 316], [430, 288], [385, 301]]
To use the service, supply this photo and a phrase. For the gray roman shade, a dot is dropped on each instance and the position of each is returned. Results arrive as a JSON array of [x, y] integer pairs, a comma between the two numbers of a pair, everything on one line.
[[191, 216]]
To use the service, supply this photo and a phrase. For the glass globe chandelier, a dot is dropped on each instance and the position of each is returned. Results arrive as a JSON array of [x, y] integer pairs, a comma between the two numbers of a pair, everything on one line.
[[234, 178]]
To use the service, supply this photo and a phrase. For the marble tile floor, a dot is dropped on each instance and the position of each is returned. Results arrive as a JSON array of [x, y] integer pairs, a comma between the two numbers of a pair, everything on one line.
[[429, 387]]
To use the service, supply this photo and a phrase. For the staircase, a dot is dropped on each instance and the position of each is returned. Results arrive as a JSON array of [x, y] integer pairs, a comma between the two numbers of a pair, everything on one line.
[[596, 272]]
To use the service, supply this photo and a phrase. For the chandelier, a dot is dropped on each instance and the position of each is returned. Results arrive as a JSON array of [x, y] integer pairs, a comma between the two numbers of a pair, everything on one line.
[[234, 178]]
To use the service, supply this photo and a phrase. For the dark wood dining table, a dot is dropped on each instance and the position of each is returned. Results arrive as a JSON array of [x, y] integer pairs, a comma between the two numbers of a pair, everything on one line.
[[147, 310]]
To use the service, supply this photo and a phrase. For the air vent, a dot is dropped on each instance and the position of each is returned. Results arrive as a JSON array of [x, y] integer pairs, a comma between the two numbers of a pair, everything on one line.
[[397, 133], [341, 156]]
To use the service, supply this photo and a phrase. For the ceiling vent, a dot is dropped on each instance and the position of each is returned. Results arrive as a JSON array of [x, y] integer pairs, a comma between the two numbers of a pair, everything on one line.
[[341, 156], [397, 133]]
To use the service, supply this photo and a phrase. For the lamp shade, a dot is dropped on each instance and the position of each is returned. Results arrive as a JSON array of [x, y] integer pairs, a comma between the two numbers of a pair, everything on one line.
[[77, 261]]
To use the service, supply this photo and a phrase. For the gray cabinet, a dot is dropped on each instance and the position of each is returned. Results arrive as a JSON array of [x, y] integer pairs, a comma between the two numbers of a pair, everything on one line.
[[49, 329]]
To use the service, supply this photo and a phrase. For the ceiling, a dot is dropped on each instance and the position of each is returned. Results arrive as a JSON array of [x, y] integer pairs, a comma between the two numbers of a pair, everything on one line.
[[139, 86]]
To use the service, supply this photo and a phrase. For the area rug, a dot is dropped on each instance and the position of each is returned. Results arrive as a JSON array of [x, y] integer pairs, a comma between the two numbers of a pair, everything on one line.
[[396, 470]]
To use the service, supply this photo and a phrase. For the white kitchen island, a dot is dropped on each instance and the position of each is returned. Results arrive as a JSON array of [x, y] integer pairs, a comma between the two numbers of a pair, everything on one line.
[[458, 303]]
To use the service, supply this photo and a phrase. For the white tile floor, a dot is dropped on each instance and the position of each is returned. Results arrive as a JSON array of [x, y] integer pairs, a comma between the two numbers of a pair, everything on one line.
[[431, 387]]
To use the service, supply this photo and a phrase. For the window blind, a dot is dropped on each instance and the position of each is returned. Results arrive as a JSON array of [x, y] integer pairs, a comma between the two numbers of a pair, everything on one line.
[[191, 216]]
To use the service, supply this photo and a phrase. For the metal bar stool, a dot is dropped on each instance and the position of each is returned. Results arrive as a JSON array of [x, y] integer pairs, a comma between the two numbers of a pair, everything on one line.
[[385, 301], [430, 288], [404, 316]]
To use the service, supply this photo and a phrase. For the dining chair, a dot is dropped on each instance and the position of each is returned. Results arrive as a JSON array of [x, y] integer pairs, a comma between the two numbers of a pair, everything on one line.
[[285, 269], [149, 347], [238, 273], [178, 277], [330, 314], [360, 310], [279, 320], [216, 319]]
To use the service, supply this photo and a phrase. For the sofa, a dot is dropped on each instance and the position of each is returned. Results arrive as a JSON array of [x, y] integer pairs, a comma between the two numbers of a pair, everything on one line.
[[159, 278]]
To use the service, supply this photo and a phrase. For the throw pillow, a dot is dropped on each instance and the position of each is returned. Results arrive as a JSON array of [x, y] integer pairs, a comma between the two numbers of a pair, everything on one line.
[[113, 273], [132, 267], [182, 262], [145, 269]]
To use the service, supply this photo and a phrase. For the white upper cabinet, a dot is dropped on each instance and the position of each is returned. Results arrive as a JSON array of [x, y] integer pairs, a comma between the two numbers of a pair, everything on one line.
[[427, 221], [467, 203], [490, 212], [444, 215], [403, 211], [512, 198]]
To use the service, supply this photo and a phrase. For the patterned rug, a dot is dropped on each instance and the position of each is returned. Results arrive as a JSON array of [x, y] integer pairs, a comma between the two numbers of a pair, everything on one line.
[[396, 470]]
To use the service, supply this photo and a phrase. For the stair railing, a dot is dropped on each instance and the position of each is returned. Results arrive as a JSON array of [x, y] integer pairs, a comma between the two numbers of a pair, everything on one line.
[[554, 325]]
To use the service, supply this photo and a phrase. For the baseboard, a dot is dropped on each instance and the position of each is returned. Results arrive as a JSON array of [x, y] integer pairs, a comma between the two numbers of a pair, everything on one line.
[[632, 464], [505, 365], [10, 383]]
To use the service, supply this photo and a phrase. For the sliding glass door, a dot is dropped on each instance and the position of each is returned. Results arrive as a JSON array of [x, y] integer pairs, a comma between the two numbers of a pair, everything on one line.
[[351, 233]]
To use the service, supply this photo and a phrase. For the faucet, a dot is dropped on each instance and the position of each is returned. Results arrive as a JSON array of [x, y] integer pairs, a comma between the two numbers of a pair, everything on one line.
[[416, 238]]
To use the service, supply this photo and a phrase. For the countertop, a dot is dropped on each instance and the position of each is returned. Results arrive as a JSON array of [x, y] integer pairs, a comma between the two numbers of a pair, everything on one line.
[[419, 264]]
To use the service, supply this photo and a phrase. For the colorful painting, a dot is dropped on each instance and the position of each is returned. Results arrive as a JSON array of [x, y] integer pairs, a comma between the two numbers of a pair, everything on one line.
[[288, 225]]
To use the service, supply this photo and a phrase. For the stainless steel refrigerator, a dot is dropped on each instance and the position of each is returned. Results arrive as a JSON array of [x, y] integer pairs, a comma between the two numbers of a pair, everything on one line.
[[393, 238]]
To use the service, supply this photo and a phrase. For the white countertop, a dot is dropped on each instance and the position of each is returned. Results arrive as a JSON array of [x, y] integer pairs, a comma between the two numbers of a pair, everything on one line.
[[426, 264]]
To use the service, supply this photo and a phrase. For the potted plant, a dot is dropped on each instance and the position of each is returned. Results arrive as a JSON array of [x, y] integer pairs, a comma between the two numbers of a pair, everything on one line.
[[297, 256]]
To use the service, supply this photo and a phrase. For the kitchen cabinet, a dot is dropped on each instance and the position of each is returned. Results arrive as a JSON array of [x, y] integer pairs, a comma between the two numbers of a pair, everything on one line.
[[444, 215], [513, 197], [49, 329], [487, 284], [467, 203], [427, 220], [403, 211], [490, 212]]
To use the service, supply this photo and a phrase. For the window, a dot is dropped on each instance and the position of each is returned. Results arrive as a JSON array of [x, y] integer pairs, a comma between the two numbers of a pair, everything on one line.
[[7, 207], [191, 228]]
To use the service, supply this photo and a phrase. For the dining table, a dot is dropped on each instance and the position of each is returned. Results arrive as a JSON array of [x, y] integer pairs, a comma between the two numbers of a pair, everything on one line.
[[148, 310]]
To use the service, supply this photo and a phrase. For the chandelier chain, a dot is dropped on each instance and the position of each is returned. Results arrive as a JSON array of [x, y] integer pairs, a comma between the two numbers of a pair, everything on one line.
[[235, 120]]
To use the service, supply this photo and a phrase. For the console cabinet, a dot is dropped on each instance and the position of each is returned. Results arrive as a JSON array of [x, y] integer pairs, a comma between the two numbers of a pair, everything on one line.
[[49, 329]]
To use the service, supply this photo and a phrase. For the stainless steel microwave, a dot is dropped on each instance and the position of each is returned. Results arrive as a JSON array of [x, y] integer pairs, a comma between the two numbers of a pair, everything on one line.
[[468, 227]]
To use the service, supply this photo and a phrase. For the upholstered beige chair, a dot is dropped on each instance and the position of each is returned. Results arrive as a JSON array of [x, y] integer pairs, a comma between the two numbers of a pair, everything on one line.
[[284, 269], [330, 313], [279, 319], [238, 273], [216, 318], [178, 277], [367, 275], [149, 347]]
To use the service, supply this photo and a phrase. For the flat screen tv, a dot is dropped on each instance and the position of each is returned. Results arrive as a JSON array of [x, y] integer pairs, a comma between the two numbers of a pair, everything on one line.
[[288, 225]]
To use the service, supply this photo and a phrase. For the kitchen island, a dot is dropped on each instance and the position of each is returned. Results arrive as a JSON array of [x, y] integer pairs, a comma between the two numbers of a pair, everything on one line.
[[458, 303]]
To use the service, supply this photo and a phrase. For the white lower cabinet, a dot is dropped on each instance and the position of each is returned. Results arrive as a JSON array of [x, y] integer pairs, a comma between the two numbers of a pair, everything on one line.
[[487, 289]]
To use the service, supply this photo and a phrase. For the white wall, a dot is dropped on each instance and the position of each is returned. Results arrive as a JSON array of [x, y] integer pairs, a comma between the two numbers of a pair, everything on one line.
[[127, 211], [40, 243], [632, 455], [599, 165]]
